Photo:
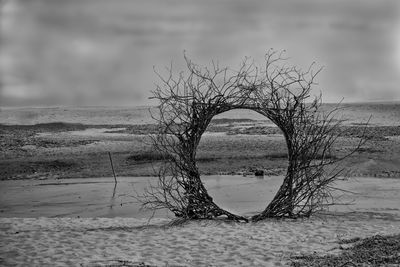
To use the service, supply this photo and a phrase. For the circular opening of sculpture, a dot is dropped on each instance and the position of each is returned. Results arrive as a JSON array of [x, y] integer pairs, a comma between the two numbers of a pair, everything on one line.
[[246, 155]]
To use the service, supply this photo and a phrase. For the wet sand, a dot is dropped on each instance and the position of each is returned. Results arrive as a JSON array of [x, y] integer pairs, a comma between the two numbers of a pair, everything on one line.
[[95, 197], [59, 150]]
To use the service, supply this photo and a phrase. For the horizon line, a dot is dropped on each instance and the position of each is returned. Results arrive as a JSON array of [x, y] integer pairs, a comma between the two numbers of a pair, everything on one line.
[[150, 106]]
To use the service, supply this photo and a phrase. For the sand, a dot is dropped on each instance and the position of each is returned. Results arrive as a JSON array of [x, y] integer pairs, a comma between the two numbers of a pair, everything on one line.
[[101, 241], [371, 209]]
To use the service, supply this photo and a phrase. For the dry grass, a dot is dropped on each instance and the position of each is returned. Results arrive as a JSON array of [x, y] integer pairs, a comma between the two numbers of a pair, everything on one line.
[[372, 251], [147, 156]]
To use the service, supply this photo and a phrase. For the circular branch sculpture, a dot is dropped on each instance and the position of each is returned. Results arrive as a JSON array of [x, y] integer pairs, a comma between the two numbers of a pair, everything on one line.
[[189, 101]]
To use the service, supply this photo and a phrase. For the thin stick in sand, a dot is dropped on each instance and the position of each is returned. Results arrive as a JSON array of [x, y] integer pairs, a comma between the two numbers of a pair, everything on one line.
[[112, 167]]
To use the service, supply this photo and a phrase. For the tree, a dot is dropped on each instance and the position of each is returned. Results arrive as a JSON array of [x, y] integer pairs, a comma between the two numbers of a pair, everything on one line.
[[190, 100]]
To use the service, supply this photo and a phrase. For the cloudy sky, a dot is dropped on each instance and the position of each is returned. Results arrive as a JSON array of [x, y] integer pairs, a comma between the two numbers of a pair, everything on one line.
[[102, 52]]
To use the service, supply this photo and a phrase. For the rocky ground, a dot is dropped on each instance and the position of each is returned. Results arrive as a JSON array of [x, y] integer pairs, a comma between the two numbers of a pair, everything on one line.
[[62, 150]]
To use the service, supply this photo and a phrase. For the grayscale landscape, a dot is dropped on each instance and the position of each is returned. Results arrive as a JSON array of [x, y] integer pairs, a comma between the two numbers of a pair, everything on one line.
[[78, 133]]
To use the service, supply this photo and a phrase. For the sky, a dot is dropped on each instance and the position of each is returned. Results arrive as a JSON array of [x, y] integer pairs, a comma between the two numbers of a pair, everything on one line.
[[102, 52]]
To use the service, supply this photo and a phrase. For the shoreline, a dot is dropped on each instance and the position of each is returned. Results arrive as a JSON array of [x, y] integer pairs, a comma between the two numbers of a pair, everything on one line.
[[246, 196], [231, 146]]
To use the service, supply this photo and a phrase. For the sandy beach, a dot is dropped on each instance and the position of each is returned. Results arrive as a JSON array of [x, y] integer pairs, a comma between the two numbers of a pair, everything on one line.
[[199, 133], [105, 241], [59, 205], [71, 227]]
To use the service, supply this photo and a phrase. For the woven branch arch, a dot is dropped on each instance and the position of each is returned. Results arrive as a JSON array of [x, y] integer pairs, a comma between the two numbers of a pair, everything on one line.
[[189, 101]]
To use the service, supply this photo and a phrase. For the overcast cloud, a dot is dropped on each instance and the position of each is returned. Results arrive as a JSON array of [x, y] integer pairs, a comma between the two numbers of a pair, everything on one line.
[[102, 52]]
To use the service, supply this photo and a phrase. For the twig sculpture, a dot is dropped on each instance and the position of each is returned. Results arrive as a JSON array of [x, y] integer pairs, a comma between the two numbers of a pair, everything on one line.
[[189, 101]]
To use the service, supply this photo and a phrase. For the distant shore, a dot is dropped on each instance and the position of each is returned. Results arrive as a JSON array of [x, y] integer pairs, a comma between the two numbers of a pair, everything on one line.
[[231, 146]]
